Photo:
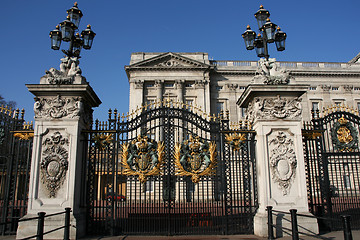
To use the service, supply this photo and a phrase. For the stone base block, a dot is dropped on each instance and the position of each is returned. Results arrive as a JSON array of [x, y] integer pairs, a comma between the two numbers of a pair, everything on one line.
[[283, 225], [29, 228]]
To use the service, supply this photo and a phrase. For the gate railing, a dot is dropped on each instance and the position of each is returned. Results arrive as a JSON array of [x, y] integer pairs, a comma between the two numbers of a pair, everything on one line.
[[15, 158], [332, 160], [175, 201], [295, 228]]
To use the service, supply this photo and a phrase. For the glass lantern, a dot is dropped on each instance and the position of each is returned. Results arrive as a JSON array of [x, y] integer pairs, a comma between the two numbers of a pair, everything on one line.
[[269, 28], [88, 37], [259, 46], [77, 45], [249, 37], [280, 38], [55, 36], [261, 15], [75, 14], [67, 29]]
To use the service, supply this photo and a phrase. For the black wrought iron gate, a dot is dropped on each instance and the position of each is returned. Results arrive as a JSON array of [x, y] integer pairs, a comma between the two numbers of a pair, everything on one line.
[[15, 158], [169, 170], [332, 159]]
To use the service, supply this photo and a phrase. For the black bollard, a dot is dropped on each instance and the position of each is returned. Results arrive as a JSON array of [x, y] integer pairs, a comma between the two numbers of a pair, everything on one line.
[[347, 227], [67, 224], [270, 223], [40, 227], [294, 226]]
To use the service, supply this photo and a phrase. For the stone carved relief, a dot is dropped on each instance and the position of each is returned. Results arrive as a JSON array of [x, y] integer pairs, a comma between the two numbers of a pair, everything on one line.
[[274, 108], [69, 68], [325, 88], [269, 73], [54, 163], [170, 63], [282, 160], [179, 84], [58, 107], [231, 86], [139, 84], [158, 83], [200, 84], [348, 88]]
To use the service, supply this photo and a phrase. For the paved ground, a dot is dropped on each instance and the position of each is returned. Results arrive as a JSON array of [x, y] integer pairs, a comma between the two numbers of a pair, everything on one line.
[[328, 236]]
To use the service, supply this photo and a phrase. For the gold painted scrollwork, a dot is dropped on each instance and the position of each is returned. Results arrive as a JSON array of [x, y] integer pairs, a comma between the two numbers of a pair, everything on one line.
[[142, 157], [235, 140], [195, 158], [24, 135], [102, 141]]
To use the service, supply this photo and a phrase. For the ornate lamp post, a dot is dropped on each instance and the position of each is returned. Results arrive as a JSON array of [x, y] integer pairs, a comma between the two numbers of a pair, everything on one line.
[[68, 32], [269, 33]]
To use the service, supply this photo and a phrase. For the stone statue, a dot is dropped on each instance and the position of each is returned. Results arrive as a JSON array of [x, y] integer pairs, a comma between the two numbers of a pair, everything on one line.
[[69, 73], [269, 73]]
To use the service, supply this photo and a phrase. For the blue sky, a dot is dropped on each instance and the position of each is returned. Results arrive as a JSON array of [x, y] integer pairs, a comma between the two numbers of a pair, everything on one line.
[[317, 31]]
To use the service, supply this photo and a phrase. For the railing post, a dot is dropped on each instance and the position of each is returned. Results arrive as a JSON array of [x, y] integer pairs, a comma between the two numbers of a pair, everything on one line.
[[67, 224], [270, 223], [347, 227], [40, 227], [294, 226]]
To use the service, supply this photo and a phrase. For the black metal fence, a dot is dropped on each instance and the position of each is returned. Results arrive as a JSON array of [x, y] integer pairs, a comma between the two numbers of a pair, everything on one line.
[[15, 158], [332, 159], [169, 170]]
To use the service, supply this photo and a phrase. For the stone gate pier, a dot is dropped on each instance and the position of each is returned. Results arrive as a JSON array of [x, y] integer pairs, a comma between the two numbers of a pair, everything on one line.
[[274, 107], [63, 109]]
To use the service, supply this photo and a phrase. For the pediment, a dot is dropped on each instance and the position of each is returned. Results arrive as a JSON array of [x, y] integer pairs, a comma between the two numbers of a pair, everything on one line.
[[169, 61]]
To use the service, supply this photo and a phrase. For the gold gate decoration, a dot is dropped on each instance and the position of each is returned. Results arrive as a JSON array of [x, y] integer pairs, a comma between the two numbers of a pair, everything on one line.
[[102, 141], [195, 158], [143, 157], [235, 140], [344, 136]]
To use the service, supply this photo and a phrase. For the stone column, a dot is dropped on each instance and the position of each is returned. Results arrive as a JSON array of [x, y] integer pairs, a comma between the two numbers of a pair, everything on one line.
[[232, 100], [63, 109], [179, 90], [159, 89], [275, 111], [200, 86]]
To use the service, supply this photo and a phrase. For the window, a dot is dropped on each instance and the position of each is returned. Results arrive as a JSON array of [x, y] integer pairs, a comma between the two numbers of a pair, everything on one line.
[[312, 88], [149, 186], [150, 85], [242, 87], [335, 88], [169, 85], [356, 88], [358, 106], [189, 103], [189, 85], [315, 108], [219, 87], [347, 182], [338, 104], [219, 107], [243, 112]]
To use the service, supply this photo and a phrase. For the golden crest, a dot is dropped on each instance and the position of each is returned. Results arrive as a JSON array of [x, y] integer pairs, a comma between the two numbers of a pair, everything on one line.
[[142, 158], [235, 140], [195, 158], [102, 141], [344, 135]]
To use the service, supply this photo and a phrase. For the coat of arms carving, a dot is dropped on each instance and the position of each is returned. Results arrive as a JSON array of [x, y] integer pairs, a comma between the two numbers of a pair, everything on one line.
[[195, 158]]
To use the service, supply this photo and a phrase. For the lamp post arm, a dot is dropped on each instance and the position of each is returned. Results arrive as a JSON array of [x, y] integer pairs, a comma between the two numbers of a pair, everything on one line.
[[266, 51]]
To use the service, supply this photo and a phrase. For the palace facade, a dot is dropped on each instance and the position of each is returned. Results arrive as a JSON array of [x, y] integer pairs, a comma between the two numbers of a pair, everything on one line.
[[215, 86]]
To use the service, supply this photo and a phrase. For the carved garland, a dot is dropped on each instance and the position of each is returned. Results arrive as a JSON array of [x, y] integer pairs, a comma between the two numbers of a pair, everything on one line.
[[282, 161], [142, 158], [54, 163], [195, 158]]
